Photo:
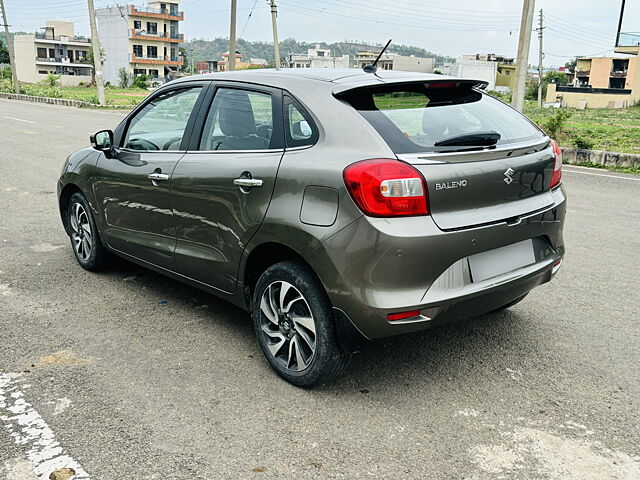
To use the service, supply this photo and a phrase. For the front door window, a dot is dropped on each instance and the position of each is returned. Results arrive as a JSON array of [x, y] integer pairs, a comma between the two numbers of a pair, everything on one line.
[[160, 125]]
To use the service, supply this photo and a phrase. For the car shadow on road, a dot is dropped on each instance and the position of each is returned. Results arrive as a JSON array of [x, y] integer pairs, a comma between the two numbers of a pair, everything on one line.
[[458, 349]]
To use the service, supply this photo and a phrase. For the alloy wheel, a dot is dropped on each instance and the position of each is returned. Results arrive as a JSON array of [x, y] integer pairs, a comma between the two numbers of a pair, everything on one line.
[[81, 234], [287, 326]]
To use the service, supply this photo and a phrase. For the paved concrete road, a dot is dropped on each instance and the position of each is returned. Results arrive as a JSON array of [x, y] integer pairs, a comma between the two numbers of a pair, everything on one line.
[[134, 388]]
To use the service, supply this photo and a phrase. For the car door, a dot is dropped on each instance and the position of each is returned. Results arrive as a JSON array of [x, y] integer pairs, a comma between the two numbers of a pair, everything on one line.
[[222, 187], [133, 187]]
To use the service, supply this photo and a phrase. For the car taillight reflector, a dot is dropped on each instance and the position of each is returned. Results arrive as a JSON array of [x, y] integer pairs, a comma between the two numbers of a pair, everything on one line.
[[556, 177], [386, 188], [393, 317]]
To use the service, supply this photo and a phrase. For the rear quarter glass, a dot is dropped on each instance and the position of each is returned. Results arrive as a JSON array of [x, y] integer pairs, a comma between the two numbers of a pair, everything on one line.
[[414, 118]]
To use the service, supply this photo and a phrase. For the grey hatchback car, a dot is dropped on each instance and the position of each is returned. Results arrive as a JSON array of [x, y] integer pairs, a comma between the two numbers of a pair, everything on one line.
[[337, 206]]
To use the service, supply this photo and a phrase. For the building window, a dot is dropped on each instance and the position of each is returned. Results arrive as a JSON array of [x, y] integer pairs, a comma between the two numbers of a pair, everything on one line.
[[137, 50], [137, 24], [139, 71], [52, 53], [152, 27], [81, 55], [42, 53], [153, 73], [152, 52], [42, 72]]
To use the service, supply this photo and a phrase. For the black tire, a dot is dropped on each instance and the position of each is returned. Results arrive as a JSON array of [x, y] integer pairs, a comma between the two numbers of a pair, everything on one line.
[[328, 360], [510, 304], [96, 257]]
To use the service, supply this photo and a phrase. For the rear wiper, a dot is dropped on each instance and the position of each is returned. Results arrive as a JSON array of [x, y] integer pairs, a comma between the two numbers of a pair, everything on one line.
[[472, 139]]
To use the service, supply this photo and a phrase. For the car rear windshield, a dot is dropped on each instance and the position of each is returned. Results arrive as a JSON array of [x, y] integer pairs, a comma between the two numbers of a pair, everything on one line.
[[421, 118]]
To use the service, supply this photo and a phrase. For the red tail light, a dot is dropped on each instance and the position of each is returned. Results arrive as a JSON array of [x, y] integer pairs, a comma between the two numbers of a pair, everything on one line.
[[386, 188], [556, 177]]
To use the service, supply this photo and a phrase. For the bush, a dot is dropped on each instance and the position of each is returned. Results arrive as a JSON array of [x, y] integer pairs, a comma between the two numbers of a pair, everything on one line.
[[51, 80], [124, 78], [93, 99], [6, 85], [5, 73], [140, 82], [40, 90], [555, 124], [582, 143], [503, 96]]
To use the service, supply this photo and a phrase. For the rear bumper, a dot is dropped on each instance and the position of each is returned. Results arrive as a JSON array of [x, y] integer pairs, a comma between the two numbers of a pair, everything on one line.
[[394, 265]]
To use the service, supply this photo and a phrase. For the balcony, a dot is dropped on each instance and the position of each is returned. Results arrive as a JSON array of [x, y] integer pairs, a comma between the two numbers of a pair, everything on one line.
[[165, 37], [153, 12], [64, 61], [618, 73], [583, 73], [158, 60], [42, 37], [628, 43]]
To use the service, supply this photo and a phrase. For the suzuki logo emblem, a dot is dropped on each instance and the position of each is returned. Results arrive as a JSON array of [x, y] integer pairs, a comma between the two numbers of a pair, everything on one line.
[[508, 175]]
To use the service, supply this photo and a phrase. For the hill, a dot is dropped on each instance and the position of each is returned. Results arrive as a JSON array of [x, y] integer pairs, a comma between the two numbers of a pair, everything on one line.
[[213, 49]]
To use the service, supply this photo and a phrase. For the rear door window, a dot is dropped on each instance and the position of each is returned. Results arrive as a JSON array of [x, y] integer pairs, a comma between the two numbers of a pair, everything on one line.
[[238, 120], [418, 118]]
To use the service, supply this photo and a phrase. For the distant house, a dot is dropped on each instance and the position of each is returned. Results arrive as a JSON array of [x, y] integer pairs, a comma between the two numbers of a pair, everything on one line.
[[242, 63], [317, 58], [206, 66], [393, 61], [498, 70]]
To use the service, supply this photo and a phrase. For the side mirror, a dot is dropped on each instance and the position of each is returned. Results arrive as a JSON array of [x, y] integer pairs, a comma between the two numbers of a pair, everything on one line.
[[102, 141]]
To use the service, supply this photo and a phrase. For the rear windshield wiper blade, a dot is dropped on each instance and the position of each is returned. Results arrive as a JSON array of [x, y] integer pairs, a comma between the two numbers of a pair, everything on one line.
[[473, 139]]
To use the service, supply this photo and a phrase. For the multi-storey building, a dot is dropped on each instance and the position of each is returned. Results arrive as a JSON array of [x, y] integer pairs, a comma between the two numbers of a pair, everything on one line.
[[600, 82], [144, 40], [55, 50]]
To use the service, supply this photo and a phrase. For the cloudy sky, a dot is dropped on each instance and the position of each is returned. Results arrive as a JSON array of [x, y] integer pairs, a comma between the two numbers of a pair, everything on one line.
[[585, 27]]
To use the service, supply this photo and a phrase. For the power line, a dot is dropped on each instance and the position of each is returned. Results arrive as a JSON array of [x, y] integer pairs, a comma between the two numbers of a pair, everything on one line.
[[248, 18]]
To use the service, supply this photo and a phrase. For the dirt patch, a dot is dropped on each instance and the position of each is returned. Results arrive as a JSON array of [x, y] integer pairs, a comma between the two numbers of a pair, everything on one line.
[[65, 358]]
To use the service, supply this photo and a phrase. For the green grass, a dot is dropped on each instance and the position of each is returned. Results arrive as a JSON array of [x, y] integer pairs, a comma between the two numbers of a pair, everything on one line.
[[614, 130], [114, 96]]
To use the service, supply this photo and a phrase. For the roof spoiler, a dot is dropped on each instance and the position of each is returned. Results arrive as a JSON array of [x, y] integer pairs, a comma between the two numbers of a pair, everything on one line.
[[432, 83]]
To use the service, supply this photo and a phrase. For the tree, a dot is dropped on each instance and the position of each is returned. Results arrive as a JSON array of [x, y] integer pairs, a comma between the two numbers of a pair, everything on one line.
[[185, 64], [4, 53], [559, 78], [571, 66], [91, 61], [124, 78]]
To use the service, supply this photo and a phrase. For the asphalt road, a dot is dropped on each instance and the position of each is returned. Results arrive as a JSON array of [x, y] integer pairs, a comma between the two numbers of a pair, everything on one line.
[[130, 387]]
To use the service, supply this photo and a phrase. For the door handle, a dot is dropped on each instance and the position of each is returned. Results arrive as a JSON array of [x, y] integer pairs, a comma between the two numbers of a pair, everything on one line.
[[158, 177], [247, 182]]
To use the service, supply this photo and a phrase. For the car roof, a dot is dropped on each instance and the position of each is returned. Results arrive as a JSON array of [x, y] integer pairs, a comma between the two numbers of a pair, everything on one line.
[[335, 79]]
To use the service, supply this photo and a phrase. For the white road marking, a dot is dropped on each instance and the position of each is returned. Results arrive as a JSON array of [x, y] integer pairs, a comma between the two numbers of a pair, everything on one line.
[[19, 119], [29, 430], [602, 175]]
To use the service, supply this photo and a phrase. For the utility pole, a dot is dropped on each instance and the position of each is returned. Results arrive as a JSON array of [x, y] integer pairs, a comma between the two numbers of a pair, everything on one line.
[[97, 58], [231, 60], [274, 25], [619, 23], [540, 57], [12, 58], [522, 65]]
